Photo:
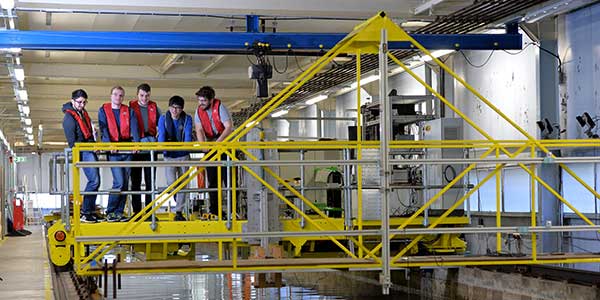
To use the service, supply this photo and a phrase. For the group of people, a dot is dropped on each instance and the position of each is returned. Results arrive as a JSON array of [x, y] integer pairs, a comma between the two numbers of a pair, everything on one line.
[[143, 121]]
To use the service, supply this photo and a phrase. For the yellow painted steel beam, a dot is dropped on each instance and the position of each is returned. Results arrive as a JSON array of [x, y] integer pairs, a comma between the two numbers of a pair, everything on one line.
[[131, 224], [447, 212], [301, 197], [440, 261], [433, 199], [284, 199]]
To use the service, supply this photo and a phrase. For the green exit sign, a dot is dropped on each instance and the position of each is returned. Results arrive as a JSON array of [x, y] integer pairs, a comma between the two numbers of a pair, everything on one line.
[[20, 159]]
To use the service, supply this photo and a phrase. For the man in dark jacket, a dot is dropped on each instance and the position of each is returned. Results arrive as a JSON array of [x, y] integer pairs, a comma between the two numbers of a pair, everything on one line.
[[78, 129], [176, 126]]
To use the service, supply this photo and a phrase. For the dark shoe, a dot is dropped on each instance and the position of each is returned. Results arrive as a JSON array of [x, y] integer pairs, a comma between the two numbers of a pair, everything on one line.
[[112, 217], [179, 217], [88, 219]]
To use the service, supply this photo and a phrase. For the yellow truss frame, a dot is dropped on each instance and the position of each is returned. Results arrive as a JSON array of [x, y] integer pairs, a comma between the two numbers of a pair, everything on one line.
[[364, 39]]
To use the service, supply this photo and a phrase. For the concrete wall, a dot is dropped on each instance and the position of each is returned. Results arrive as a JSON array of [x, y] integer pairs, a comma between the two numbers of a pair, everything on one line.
[[473, 283]]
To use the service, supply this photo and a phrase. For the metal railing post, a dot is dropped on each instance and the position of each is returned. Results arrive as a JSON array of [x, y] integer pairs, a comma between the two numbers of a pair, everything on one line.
[[302, 175], [385, 129]]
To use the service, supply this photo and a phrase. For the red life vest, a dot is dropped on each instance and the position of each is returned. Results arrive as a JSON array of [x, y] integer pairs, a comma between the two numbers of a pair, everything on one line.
[[122, 133], [84, 125], [205, 121], [151, 117]]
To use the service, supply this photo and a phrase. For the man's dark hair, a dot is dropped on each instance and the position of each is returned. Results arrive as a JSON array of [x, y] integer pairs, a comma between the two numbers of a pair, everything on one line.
[[206, 92], [176, 100], [144, 87], [79, 93]]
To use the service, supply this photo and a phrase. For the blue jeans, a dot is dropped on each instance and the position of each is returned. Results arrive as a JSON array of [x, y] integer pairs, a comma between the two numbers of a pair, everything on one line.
[[93, 177], [116, 202]]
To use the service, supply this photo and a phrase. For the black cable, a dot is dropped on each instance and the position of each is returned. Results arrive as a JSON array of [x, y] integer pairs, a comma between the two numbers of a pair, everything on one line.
[[297, 63], [542, 49], [477, 66], [446, 171], [519, 51], [553, 54], [249, 60], [275, 65]]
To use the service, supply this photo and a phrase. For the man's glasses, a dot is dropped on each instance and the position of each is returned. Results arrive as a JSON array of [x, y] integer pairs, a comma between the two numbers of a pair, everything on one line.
[[176, 107], [84, 102]]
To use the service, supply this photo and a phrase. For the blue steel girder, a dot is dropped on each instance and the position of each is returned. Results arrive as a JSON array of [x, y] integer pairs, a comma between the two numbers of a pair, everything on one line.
[[230, 42]]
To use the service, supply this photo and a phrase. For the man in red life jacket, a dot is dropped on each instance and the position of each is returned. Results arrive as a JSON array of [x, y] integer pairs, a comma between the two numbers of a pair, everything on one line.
[[147, 114], [78, 129], [213, 124], [118, 124]]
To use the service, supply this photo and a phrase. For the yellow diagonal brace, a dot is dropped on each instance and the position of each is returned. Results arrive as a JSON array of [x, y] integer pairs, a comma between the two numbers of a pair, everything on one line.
[[448, 211], [288, 202], [432, 200], [306, 201], [272, 104], [105, 247], [502, 115], [177, 185]]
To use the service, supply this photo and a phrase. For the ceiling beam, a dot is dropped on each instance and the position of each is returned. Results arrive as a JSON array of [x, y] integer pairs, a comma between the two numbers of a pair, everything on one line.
[[427, 6], [339, 8], [235, 42], [169, 61], [213, 64]]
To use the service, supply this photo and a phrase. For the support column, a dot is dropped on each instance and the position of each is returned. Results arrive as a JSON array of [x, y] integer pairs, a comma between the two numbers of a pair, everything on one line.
[[385, 109], [549, 206]]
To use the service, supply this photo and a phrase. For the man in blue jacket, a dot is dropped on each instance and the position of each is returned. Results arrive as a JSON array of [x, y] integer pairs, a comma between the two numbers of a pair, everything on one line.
[[176, 126], [78, 129], [118, 124]]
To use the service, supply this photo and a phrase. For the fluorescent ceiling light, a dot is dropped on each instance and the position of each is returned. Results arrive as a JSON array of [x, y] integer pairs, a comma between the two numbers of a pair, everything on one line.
[[279, 113], [23, 95], [30, 136], [55, 143], [11, 50], [414, 24], [436, 54], [19, 74], [29, 130], [31, 143], [364, 81], [26, 110], [28, 122], [20, 108], [554, 8], [7, 4], [316, 99]]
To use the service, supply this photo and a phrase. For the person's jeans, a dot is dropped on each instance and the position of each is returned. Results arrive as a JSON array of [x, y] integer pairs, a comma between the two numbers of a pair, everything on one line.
[[93, 183], [116, 202], [211, 176], [136, 182], [172, 174]]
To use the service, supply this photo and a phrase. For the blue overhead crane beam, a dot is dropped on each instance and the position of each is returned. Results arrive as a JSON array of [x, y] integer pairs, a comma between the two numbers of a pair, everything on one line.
[[230, 41]]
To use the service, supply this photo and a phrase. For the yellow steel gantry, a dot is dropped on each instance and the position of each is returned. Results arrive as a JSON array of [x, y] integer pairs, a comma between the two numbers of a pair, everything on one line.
[[364, 39]]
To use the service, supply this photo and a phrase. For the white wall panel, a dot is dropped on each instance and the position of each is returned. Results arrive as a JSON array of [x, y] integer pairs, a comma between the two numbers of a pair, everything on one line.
[[579, 47], [509, 82]]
